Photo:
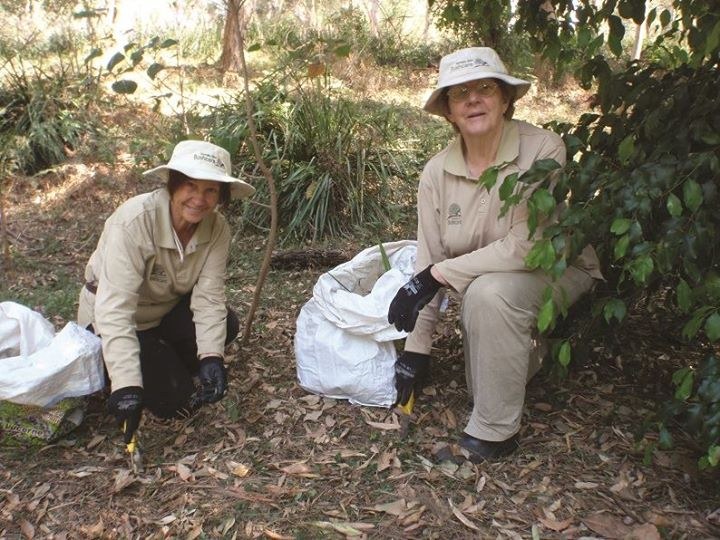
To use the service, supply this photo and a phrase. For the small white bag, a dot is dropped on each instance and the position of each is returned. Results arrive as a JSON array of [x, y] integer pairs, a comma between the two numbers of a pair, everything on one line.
[[40, 368], [343, 342]]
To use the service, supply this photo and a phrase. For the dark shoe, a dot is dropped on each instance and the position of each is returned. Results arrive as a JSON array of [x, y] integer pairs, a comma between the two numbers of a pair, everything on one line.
[[480, 450]]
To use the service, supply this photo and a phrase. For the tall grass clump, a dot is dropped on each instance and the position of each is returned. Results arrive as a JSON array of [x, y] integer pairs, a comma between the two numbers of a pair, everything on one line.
[[41, 117], [339, 164]]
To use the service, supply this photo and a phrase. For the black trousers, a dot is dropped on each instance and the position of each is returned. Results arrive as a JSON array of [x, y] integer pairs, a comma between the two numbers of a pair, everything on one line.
[[168, 359]]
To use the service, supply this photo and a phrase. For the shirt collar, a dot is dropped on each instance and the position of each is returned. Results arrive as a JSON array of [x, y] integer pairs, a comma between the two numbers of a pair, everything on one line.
[[164, 236], [508, 151]]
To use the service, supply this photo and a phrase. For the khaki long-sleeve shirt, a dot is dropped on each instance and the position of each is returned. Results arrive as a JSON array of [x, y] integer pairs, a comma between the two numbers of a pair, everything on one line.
[[141, 272], [458, 226]]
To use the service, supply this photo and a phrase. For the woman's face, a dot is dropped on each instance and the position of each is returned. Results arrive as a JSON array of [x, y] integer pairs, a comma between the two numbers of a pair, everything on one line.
[[193, 200], [477, 107]]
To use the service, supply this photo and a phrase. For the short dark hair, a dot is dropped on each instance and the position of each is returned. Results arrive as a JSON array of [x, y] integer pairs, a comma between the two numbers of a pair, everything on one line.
[[177, 179], [509, 92]]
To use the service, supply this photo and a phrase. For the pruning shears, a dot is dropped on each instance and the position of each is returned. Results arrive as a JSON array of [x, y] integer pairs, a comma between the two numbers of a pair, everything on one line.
[[406, 415], [133, 450], [408, 407]]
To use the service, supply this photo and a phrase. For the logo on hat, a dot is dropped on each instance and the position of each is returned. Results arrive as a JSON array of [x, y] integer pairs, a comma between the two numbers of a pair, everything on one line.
[[469, 63], [213, 160]]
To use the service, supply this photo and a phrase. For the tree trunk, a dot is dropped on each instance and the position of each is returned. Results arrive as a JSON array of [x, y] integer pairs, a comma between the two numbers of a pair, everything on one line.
[[639, 38], [272, 236], [3, 231], [235, 25], [373, 12]]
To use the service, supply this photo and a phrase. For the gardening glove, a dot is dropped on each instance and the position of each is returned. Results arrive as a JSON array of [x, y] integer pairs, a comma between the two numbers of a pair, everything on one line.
[[411, 298], [126, 405], [411, 371], [212, 379]]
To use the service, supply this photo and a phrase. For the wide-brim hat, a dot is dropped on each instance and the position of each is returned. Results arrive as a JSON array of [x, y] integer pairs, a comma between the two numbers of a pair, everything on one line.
[[467, 65], [203, 161]]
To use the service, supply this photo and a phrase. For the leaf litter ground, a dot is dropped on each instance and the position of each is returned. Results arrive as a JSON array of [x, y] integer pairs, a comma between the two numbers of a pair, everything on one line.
[[272, 461]]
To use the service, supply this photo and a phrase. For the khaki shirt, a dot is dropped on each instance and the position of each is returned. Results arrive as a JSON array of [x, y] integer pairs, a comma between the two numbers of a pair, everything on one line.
[[141, 274], [458, 226]]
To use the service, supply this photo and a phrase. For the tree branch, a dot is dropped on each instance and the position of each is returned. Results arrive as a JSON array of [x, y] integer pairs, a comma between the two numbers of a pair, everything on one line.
[[272, 236]]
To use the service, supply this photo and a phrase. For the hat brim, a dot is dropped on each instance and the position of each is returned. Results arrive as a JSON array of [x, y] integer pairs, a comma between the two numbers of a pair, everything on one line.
[[434, 104], [238, 188]]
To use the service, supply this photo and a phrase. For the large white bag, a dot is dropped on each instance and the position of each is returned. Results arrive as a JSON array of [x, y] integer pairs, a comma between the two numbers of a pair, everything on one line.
[[38, 367], [343, 343]]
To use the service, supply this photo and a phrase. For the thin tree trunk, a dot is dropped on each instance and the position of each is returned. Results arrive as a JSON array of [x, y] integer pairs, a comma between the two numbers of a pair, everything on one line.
[[7, 262], [272, 237], [373, 11], [234, 29], [639, 39]]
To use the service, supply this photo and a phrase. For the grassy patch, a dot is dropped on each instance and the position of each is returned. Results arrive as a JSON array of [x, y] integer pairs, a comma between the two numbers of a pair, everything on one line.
[[50, 291]]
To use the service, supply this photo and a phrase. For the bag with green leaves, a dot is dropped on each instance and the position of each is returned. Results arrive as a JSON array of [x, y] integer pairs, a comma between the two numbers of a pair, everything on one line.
[[44, 376]]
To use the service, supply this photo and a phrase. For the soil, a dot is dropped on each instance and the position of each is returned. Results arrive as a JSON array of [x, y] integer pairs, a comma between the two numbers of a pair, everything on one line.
[[274, 461]]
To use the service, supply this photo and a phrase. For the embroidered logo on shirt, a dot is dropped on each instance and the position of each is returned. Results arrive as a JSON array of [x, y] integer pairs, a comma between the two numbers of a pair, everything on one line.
[[454, 214], [158, 274]]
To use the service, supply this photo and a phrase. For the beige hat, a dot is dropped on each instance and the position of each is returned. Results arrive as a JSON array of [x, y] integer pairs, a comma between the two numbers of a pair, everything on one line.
[[203, 161], [469, 65]]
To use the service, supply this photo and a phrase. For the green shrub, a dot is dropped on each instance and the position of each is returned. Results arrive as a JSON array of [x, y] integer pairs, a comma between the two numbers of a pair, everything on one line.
[[643, 174], [337, 163], [40, 118]]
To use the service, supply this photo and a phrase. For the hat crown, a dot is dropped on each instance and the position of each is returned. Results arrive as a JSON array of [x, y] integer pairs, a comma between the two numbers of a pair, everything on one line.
[[468, 64], [201, 155]]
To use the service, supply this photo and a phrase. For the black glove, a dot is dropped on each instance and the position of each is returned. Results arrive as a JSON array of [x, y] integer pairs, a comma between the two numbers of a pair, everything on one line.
[[126, 405], [212, 379], [411, 373], [411, 298]]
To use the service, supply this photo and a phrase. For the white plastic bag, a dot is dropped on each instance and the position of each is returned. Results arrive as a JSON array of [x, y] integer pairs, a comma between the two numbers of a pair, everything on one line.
[[343, 342], [45, 367], [22, 330]]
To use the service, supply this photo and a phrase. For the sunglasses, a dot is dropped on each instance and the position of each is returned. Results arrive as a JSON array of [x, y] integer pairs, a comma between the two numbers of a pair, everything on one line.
[[462, 92]]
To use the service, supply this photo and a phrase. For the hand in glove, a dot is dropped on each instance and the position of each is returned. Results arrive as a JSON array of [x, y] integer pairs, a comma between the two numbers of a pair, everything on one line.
[[411, 372], [212, 379], [126, 405], [411, 298]]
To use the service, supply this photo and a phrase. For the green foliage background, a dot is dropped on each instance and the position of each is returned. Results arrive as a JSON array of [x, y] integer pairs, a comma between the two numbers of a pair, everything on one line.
[[642, 182]]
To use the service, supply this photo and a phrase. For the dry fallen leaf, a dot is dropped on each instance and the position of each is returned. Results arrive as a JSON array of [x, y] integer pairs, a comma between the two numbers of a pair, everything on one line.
[[123, 479], [167, 519], [544, 407], [463, 519], [300, 469], [555, 525], [310, 400], [607, 525], [313, 416], [183, 472], [386, 459], [387, 426], [276, 536], [41, 490], [346, 528], [27, 529], [238, 469], [12, 501], [646, 531], [395, 508], [586, 485], [96, 440], [95, 531]]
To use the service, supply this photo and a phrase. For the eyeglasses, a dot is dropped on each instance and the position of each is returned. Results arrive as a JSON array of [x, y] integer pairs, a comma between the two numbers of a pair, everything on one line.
[[463, 91]]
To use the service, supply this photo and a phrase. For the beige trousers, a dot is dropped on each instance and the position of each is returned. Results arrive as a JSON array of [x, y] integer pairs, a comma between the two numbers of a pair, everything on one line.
[[499, 318]]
